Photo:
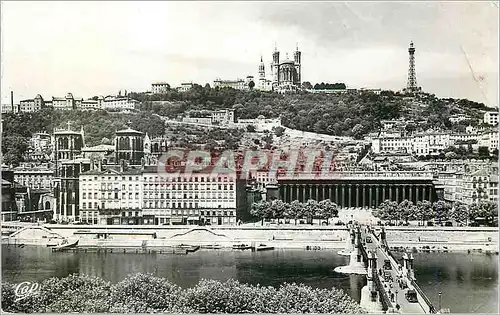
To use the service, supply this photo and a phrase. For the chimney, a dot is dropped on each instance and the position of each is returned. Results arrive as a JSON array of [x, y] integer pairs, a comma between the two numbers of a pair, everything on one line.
[[12, 100]]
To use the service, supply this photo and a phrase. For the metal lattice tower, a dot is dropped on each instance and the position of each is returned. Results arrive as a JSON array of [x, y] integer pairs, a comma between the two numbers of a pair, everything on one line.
[[412, 76]]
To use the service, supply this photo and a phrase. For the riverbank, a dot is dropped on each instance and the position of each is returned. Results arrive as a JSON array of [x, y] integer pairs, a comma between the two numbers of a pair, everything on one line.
[[282, 236]]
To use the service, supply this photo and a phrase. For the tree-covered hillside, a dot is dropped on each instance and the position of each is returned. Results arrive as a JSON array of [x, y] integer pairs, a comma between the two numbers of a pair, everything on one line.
[[350, 114]]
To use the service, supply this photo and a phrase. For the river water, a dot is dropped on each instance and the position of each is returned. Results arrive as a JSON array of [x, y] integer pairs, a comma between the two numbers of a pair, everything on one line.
[[469, 282]]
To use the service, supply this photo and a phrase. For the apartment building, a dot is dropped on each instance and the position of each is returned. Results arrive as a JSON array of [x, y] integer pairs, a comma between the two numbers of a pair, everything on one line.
[[111, 197], [145, 196], [159, 87], [491, 118], [35, 176]]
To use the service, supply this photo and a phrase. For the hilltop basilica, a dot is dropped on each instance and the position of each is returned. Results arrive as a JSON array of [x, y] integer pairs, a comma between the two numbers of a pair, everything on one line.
[[285, 75]]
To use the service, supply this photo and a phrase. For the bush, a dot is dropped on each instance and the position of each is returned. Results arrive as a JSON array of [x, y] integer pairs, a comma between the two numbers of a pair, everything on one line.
[[75, 293], [144, 293], [299, 298]]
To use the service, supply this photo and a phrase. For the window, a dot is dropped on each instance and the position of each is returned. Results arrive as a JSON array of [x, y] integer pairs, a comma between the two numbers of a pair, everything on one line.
[[84, 196], [90, 205]]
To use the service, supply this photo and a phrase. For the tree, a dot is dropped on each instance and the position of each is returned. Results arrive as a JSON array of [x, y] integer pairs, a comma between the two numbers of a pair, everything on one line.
[[406, 209], [279, 131], [483, 152], [387, 210], [277, 209], [251, 85], [251, 128], [261, 210], [327, 210], [307, 85], [442, 209], [484, 209], [358, 131], [310, 209], [296, 210], [425, 211], [460, 213]]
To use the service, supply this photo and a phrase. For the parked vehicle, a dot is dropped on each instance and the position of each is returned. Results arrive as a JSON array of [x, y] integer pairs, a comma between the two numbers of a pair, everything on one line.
[[387, 264], [368, 239], [448, 223], [388, 275], [411, 296], [430, 223]]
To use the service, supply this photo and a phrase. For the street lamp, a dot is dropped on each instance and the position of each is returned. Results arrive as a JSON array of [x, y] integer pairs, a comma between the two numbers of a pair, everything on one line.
[[439, 305], [396, 300]]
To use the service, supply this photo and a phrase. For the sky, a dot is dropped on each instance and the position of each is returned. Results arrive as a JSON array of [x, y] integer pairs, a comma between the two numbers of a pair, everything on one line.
[[98, 48]]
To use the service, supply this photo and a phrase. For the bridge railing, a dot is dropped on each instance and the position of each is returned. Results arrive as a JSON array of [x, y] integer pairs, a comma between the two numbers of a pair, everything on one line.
[[384, 297], [423, 300]]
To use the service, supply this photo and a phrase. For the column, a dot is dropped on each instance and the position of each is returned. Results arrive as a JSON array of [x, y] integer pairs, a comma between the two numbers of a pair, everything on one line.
[[337, 200], [356, 204], [342, 195], [404, 192], [383, 193], [363, 196], [349, 195], [417, 192], [429, 187], [377, 195], [370, 198], [397, 188], [410, 188], [296, 192], [325, 188]]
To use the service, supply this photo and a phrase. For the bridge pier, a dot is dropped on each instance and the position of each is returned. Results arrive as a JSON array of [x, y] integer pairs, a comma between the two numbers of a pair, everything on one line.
[[350, 244], [356, 264], [370, 297]]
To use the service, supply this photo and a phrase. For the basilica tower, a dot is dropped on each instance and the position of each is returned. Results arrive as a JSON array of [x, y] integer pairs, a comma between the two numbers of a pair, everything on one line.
[[276, 66], [296, 57]]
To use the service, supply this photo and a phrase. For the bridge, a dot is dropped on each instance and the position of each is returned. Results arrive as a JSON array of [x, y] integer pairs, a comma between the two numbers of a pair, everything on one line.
[[391, 286]]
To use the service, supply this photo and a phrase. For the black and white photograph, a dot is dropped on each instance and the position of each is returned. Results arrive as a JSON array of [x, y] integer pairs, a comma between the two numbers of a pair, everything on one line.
[[234, 157]]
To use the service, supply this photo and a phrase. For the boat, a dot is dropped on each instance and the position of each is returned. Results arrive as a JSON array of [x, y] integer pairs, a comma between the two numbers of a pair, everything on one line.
[[242, 246], [216, 246], [53, 242], [262, 247], [192, 249], [65, 245]]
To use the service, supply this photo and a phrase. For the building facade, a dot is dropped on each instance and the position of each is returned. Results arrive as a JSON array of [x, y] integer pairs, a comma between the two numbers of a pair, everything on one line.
[[35, 176], [129, 146], [491, 118], [143, 196], [160, 87]]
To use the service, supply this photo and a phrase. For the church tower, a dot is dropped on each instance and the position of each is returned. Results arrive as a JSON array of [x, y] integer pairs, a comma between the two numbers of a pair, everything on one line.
[[262, 75], [276, 66], [262, 71], [296, 57]]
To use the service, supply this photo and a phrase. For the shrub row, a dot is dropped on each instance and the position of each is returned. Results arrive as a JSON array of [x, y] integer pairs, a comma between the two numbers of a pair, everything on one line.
[[145, 293]]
